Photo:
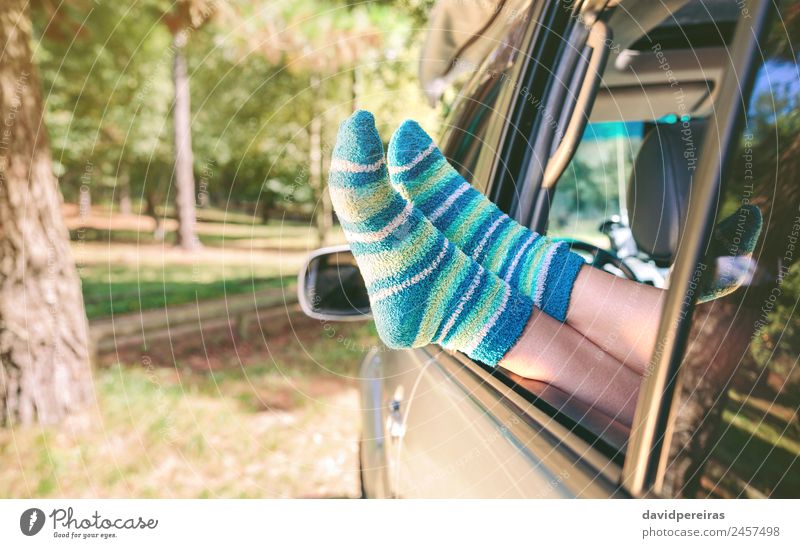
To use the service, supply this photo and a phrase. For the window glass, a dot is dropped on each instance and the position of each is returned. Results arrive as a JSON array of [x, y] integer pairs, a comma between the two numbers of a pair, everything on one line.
[[592, 189], [469, 134], [467, 140], [736, 429]]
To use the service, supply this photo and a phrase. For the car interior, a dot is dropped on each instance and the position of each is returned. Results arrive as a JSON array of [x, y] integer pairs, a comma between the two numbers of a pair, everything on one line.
[[637, 156], [658, 88], [629, 190]]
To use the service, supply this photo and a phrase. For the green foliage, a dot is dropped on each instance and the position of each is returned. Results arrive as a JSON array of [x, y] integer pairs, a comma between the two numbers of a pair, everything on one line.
[[776, 343], [107, 78], [106, 89], [110, 291], [588, 190]]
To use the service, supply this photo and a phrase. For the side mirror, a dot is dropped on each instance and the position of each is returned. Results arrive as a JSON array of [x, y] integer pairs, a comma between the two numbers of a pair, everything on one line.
[[330, 286]]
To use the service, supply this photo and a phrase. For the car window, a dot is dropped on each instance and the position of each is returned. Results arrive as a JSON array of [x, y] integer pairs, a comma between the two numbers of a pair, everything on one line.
[[468, 143], [469, 132], [592, 189], [736, 431], [498, 93]]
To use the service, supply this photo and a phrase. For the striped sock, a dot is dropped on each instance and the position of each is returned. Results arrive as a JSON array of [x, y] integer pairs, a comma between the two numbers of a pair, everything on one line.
[[732, 244], [422, 288], [537, 266]]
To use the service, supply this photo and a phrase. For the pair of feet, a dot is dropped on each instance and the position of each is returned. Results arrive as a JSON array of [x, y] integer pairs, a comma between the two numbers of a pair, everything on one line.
[[442, 263]]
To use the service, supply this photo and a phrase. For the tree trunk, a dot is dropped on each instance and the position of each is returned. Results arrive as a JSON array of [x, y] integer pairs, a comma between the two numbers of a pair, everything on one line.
[[708, 371], [150, 203], [44, 356], [323, 210], [184, 170], [266, 206], [124, 188]]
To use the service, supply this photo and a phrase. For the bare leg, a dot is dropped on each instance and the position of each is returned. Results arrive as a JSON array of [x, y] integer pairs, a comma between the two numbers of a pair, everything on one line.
[[557, 354], [618, 315]]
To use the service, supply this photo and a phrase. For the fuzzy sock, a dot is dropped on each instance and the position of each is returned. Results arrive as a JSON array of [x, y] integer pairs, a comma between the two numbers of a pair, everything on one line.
[[537, 266], [422, 288], [732, 244]]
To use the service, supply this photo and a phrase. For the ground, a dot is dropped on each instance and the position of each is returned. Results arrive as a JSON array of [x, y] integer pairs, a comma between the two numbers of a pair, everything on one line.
[[272, 412], [250, 418]]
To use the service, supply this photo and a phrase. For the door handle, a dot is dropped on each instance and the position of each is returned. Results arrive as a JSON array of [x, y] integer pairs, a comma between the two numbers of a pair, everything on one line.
[[395, 425]]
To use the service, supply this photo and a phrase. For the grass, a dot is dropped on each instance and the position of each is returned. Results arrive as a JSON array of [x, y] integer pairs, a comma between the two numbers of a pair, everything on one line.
[[118, 289], [275, 419], [274, 235], [758, 449], [124, 269], [215, 227], [584, 233]]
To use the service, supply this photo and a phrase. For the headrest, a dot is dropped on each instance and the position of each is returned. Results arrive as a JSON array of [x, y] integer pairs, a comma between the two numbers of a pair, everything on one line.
[[660, 185]]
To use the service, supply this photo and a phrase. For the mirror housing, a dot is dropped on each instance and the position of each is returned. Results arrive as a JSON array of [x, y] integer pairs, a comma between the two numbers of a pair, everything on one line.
[[330, 286]]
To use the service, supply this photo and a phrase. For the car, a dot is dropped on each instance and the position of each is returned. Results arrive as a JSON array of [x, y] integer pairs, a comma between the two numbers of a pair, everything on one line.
[[629, 128]]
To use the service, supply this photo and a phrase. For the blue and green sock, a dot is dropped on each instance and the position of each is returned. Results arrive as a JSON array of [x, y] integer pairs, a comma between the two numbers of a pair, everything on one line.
[[537, 266], [732, 244], [423, 289]]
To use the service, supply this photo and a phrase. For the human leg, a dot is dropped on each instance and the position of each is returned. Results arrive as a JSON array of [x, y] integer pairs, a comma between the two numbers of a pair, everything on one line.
[[557, 354]]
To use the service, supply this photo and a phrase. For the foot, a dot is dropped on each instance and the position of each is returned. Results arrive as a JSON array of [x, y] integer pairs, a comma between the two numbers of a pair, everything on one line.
[[422, 288], [535, 265], [732, 245]]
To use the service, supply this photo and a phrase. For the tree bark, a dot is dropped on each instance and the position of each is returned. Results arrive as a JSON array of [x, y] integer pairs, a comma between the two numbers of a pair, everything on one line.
[[150, 201], [184, 169], [44, 357], [709, 369]]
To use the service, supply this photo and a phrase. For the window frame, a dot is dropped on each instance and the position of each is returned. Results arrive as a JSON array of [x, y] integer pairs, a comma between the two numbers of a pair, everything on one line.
[[499, 161], [646, 451], [513, 119], [648, 447], [594, 471]]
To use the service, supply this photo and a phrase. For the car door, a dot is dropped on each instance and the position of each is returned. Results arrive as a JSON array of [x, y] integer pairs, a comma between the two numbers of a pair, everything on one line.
[[423, 425], [405, 389], [471, 431], [453, 428]]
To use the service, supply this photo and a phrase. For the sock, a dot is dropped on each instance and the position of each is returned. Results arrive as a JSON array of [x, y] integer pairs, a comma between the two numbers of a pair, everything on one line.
[[537, 266], [732, 244], [422, 288]]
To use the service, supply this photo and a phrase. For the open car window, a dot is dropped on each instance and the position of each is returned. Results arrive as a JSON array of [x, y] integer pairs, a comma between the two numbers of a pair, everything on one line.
[[473, 148], [636, 99], [592, 190], [479, 108]]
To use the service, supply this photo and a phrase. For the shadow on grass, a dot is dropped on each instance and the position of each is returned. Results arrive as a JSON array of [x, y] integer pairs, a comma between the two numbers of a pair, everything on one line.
[[291, 241], [759, 450], [106, 298]]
